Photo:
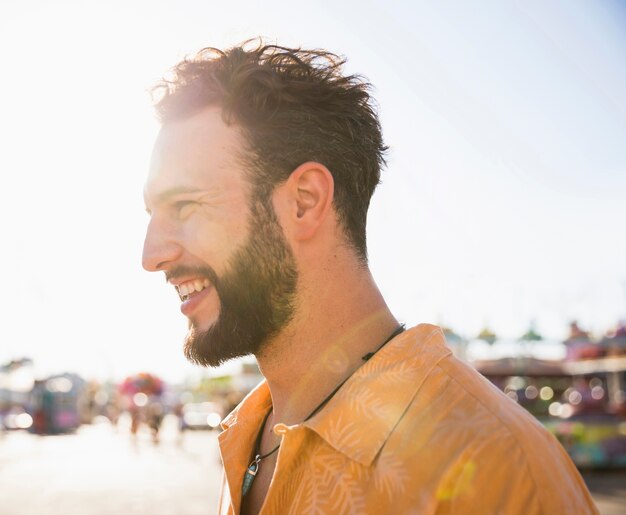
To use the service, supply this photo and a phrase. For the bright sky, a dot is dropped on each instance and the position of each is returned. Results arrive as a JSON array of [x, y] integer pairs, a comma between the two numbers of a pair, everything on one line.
[[503, 201]]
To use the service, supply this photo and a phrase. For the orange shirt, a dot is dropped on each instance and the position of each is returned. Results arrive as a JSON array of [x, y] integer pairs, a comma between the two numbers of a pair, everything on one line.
[[414, 430]]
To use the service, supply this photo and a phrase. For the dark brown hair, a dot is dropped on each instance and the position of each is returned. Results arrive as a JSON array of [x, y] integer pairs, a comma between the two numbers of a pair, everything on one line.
[[293, 106]]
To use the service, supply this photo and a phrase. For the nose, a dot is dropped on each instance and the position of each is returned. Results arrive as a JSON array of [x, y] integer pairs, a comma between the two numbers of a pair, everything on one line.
[[160, 248]]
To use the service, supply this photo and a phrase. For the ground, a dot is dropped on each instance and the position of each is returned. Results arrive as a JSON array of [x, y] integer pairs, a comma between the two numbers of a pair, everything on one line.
[[102, 470]]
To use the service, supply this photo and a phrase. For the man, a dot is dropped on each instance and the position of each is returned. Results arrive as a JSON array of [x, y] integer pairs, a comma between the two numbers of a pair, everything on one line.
[[258, 192]]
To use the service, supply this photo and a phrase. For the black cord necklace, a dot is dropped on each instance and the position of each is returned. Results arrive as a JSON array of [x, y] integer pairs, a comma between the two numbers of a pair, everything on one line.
[[253, 468]]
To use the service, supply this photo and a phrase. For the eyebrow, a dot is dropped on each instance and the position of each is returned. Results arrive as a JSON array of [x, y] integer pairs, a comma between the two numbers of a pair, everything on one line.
[[168, 194], [178, 190]]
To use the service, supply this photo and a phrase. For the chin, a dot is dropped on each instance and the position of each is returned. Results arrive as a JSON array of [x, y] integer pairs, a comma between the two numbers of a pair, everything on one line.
[[198, 326], [213, 346]]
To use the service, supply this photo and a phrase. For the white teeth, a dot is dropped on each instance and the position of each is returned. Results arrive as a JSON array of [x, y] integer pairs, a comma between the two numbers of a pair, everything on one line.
[[189, 287]]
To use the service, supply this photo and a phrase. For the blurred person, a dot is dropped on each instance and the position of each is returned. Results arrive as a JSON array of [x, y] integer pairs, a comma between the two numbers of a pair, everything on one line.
[[38, 408], [178, 412], [136, 417], [113, 408], [154, 418], [258, 192]]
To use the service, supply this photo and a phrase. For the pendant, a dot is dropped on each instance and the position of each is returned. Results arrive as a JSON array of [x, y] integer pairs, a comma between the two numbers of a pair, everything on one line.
[[250, 474]]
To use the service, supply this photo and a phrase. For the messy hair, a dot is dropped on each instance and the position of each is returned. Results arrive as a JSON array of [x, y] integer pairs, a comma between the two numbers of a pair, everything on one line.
[[293, 106]]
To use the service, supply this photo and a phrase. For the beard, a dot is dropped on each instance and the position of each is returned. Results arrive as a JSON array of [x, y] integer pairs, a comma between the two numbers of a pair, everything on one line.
[[256, 293]]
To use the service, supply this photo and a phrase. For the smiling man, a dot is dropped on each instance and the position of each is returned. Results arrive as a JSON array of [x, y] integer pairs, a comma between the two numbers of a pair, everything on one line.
[[258, 192], [229, 261]]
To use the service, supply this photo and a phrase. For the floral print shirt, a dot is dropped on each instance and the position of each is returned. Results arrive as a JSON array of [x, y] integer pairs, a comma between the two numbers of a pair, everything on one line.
[[414, 430]]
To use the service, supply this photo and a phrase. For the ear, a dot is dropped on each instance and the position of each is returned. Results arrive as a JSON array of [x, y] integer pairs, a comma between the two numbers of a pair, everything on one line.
[[306, 199]]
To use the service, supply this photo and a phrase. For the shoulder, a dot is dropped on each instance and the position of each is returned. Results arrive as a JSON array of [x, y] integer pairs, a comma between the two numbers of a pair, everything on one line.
[[482, 449]]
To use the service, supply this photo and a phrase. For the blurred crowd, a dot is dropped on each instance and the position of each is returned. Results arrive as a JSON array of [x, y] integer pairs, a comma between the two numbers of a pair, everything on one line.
[[62, 403]]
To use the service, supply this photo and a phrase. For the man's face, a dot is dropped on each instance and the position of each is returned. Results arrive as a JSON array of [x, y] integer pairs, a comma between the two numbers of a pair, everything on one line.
[[218, 243]]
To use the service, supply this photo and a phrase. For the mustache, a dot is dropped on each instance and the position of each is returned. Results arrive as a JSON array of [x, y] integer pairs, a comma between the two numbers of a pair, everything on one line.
[[206, 272]]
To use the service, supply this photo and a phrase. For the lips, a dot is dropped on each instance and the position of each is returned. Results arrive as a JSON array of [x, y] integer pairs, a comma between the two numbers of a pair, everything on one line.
[[192, 301]]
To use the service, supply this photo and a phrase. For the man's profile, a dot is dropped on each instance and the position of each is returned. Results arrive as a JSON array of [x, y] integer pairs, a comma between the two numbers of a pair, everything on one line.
[[258, 192]]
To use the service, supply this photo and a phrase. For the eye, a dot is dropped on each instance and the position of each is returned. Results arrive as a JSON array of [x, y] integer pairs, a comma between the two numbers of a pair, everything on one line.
[[183, 207]]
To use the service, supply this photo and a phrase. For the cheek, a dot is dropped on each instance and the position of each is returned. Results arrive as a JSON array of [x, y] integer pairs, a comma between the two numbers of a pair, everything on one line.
[[213, 244]]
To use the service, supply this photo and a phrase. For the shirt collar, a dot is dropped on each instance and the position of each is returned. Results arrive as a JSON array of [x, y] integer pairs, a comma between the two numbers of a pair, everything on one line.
[[254, 405], [360, 417]]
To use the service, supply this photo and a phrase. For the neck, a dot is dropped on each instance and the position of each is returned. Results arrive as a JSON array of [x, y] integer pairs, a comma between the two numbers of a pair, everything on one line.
[[324, 344]]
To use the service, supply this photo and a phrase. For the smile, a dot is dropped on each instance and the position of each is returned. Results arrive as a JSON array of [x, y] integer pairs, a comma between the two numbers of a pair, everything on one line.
[[189, 288]]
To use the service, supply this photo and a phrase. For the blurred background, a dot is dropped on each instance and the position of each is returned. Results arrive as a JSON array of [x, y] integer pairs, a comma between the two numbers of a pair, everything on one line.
[[500, 217]]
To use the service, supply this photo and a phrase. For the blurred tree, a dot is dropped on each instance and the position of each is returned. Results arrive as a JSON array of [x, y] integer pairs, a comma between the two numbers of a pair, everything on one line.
[[487, 335]]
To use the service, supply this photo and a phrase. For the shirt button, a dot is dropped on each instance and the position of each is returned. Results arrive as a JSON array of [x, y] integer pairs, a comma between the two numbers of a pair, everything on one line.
[[280, 429]]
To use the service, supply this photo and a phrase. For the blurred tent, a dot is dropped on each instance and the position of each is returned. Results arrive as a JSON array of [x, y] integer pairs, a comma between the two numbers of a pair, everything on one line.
[[142, 382], [576, 334], [614, 341], [579, 345]]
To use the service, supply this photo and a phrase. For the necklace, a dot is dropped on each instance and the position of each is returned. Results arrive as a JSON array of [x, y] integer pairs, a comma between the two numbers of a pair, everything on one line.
[[253, 468]]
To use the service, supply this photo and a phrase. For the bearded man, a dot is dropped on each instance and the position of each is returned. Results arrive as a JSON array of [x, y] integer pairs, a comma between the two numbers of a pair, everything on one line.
[[258, 193]]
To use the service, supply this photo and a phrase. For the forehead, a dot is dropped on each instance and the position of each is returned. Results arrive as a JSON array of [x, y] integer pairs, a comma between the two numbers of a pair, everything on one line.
[[199, 152]]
